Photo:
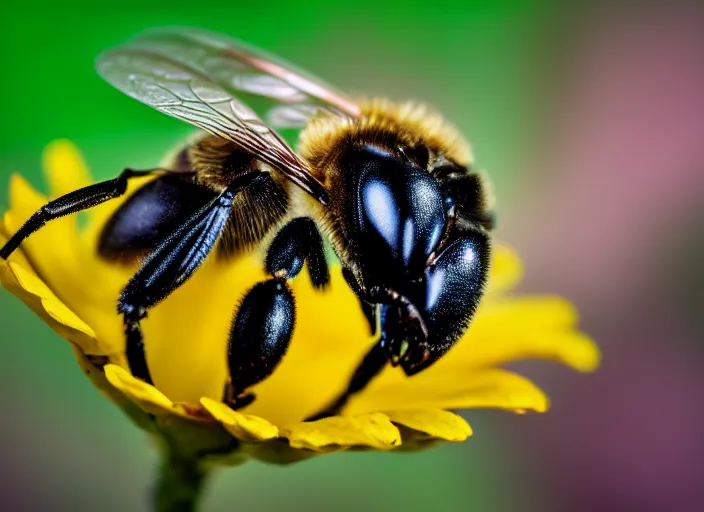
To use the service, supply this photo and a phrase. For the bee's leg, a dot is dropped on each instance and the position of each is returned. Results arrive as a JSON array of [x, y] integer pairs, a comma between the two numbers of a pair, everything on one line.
[[369, 309], [370, 367], [170, 265], [265, 319], [73, 202], [259, 337], [390, 306]]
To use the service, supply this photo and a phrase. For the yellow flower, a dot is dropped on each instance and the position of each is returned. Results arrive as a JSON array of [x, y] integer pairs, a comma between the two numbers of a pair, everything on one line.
[[58, 275]]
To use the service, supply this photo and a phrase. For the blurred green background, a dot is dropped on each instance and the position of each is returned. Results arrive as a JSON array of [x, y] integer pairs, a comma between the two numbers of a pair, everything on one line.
[[529, 83]]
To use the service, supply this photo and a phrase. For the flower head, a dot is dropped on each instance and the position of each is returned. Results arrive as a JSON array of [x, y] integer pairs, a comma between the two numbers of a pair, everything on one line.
[[59, 275]]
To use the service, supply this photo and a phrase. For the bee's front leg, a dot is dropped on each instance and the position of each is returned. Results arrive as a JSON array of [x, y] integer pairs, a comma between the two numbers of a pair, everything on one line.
[[368, 368], [400, 322]]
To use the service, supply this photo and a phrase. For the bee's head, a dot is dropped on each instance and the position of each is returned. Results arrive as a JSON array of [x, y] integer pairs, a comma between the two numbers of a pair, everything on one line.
[[394, 219], [394, 214]]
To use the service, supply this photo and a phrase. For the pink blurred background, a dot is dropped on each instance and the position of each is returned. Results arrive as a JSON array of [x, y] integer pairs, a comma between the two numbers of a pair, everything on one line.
[[618, 229]]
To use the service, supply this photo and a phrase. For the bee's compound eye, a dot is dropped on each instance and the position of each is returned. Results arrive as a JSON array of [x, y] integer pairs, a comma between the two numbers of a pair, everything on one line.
[[402, 213]]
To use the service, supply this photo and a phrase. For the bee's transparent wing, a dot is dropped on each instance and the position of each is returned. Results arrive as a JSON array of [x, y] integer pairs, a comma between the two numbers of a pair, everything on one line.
[[281, 94], [193, 75]]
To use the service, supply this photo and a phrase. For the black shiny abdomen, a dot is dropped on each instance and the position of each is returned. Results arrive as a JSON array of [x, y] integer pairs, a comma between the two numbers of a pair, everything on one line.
[[151, 214], [161, 206], [394, 215]]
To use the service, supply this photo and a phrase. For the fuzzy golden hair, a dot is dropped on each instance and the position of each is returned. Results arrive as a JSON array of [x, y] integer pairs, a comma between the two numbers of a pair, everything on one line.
[[407, 125], [256, 210]]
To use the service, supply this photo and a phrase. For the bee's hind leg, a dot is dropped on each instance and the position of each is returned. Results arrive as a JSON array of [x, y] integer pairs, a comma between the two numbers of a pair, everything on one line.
[[265, 319]]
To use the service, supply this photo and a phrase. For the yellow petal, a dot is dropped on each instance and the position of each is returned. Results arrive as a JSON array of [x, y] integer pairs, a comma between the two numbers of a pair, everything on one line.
[[480, 388], [147, 397], [527, 311], [51, 249], [64, 168], [68, 266], [97, 376], [25, 284], [18, 256], [524, 328], [506, 270], [24, 201], [243, 426], [435, 423], [340, 432], [571, 348]]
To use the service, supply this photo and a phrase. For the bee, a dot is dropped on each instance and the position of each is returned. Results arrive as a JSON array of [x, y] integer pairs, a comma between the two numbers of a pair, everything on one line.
[[390, 187]]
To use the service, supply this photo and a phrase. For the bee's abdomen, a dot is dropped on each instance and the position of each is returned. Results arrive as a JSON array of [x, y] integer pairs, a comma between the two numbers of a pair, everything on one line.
[[198, 173], [150, 215]]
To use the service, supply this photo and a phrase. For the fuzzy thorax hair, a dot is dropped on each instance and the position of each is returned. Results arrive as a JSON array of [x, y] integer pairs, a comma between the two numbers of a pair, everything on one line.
[[406, 125]]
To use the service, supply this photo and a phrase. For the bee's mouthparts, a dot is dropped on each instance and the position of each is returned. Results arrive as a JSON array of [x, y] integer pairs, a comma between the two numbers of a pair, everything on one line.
[[397, 357], [406, 330]]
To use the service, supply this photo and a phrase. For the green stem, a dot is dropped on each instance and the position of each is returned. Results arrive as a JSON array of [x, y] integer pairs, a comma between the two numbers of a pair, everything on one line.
[[180, 484]]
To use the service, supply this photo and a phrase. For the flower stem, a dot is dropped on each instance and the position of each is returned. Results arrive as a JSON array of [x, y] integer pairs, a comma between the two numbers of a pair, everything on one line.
[[180, 484]]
